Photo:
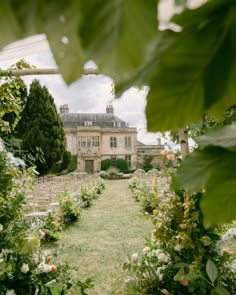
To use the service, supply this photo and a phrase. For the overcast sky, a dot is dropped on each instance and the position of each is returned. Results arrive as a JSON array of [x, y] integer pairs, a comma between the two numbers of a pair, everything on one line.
[[91, 93]]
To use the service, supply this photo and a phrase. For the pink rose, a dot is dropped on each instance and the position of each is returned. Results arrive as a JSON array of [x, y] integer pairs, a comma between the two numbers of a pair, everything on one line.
[[171, 157]]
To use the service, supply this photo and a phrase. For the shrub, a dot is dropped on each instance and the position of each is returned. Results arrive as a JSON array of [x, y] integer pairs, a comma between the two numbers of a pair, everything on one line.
[[72, 166], [51, 227], [121, 164], [24, 268], [103, 174], [112, 171], [105, 164], [69, 207], [66, 159]]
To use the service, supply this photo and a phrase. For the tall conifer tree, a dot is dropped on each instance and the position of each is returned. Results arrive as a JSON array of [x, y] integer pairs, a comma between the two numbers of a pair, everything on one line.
[[42, 127]]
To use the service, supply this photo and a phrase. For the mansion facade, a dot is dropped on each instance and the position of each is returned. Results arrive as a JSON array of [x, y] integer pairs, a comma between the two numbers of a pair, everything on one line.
[[94, 137]]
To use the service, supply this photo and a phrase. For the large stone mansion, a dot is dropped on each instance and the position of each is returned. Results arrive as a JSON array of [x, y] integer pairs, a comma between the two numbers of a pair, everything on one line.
[[94, 137]]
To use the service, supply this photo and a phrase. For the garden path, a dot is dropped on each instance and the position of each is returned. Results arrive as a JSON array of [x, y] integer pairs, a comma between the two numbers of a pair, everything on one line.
[[114, 228]]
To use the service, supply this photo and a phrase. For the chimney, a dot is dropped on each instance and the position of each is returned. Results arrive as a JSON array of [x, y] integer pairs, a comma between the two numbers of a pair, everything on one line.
[[64, 109], [110, 109]]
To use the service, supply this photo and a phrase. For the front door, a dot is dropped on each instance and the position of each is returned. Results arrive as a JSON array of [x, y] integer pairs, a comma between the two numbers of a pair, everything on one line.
[[89, 166]]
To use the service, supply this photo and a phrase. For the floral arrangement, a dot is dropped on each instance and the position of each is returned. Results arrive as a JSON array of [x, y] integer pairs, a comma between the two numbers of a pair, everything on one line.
[[182, 257], [148, 199], [24, 267], [70, 210]]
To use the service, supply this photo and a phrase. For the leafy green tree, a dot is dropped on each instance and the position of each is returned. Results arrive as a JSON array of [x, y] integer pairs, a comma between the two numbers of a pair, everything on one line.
[[41, 127]]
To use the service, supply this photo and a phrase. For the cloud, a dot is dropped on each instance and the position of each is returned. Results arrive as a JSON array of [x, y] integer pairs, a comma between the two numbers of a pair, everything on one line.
[[90, 93]]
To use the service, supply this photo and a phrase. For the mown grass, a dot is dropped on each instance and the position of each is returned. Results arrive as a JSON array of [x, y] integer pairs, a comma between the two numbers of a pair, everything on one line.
[[114, 228]]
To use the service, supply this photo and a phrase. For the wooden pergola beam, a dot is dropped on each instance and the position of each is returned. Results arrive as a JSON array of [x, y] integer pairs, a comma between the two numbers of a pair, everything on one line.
[[47, 71]]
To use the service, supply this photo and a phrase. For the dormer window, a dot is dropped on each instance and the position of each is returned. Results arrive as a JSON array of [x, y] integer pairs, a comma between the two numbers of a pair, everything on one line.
[[88, 123]]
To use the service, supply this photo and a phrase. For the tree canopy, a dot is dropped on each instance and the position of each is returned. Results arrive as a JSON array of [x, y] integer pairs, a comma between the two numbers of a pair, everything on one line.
[[40, 126]]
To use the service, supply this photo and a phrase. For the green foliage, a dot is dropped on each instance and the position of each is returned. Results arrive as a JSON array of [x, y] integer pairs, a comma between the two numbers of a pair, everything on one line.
[[14, 145], [70, 208], [105, 164], [182, 256], [148, 198], [23, 266], [121, 164], [42, 128], [51, 227], [213, 168], [12, 96], [66, 160], [72, 166]]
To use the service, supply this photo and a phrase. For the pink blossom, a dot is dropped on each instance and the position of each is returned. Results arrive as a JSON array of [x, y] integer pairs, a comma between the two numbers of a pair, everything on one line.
[[165, 292], [171, 157], [164, 152]]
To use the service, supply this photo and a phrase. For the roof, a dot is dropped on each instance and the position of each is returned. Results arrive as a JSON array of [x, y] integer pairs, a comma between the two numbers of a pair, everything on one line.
[[73, 120]]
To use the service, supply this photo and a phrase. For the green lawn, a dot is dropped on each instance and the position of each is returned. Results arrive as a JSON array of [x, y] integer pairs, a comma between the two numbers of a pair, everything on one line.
[[113, 228]]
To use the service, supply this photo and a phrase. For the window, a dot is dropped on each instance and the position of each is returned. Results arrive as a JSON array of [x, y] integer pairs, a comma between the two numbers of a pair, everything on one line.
[[95, 141], [88, 123], [113, 142], [88, 141], [128, 159], [128, 142]]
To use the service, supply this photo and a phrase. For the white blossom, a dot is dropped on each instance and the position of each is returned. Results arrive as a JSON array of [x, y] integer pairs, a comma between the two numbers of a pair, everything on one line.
[[146, 250], [42, 267], [162, 257], [24, 268], [1, 227], [134, 257], [10, 292], [178, 247]]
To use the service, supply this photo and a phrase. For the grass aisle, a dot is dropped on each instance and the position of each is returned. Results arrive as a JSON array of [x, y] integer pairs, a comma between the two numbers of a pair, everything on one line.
[[113, 228]]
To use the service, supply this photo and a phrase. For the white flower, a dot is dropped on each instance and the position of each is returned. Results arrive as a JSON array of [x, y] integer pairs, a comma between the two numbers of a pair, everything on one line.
[[160, 277], [42, 267], [146, 250], [10, 292], [1, 227], [178, 247], [41, 234], [162, 257], [24, 268], [158, 271], [134, 257]]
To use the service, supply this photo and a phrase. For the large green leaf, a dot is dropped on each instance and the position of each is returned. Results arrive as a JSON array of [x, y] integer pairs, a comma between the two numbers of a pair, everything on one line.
[[211, 270], [192, 17], [9, 26], [224, 137], [196, 169], [61, 23], [212, 167], [118, 34], [188, 79]]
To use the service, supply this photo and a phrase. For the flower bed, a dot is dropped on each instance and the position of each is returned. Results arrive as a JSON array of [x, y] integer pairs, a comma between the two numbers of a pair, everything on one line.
[[24, 267], [182, 257]]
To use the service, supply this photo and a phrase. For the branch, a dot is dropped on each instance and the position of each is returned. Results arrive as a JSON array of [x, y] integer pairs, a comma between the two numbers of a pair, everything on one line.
[[48, 71]]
